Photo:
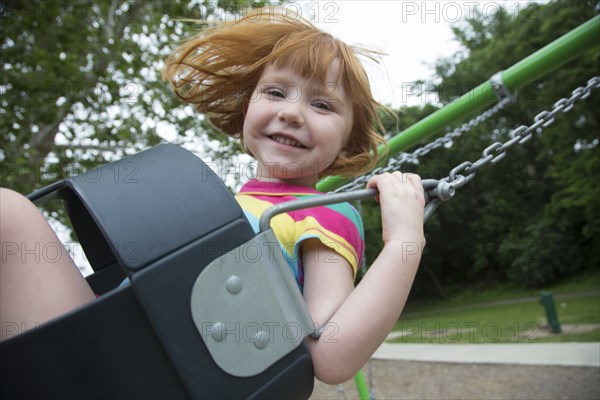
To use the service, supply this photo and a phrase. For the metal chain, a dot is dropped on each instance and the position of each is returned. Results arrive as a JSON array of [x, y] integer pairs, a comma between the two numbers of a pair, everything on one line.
[[437, 191], [465, 172], [394, 163]]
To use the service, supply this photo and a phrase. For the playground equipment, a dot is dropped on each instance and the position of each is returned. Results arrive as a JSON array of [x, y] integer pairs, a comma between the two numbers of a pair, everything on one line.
[[197, 320], [140, 340]]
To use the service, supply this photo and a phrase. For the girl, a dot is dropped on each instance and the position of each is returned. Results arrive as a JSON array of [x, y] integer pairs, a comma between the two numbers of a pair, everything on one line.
[[300, 102]]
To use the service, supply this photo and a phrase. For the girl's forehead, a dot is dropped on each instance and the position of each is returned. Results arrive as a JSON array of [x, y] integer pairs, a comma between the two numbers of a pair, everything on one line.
[[321, 75]]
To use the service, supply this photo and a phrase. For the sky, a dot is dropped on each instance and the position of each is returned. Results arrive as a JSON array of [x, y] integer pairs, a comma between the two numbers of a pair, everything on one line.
[[413, 34]]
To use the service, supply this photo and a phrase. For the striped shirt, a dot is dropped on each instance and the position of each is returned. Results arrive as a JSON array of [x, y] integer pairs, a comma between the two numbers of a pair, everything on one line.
[[337, 226]]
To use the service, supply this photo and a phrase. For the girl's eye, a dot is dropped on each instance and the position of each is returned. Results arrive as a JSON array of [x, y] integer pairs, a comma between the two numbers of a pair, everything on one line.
[[322, 105], [274, 92]]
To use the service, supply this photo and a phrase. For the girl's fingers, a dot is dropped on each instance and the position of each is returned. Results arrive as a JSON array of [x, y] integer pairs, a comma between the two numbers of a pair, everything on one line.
[[398, 181], [417, 184], [402, 202]]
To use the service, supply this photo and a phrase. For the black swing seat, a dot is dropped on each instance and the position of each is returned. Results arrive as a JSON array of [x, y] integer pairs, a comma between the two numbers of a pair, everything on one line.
[[160, 218]]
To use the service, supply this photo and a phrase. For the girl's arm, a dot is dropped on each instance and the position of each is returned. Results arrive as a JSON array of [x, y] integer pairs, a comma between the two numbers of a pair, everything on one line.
[[359, 320]]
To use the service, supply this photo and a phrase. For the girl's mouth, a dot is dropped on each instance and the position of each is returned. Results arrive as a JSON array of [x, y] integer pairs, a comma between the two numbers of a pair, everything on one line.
[[287, 141]]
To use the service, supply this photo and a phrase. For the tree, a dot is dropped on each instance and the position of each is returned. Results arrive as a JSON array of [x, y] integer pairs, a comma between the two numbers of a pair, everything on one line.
[[81, 84], [534, 217]]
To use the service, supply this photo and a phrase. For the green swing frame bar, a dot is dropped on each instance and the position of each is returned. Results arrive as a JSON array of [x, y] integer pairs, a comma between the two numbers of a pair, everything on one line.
[[538, 64], [535, 66]]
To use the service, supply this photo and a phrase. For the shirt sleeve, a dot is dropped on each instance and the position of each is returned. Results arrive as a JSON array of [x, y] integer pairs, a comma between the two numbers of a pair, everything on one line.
[[338, 227]]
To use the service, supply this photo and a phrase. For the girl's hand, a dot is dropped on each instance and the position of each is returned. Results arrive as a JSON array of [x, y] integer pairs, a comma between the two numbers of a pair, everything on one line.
[[402, 205]]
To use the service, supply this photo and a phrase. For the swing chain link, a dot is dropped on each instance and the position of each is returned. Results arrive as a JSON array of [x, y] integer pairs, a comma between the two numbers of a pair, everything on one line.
[[437, 191], [395, 163], [466, 171]]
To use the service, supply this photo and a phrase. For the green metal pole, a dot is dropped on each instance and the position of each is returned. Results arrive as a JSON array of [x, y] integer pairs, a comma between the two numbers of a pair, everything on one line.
[[361, 386], [547, 300], [555, 54], [535, 66]]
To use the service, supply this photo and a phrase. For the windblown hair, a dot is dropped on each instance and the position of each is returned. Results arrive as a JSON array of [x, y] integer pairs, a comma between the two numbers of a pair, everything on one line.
[[218, 70]]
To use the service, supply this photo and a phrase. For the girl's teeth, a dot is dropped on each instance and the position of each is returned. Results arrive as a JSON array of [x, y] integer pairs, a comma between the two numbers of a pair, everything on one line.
[[286, 141]]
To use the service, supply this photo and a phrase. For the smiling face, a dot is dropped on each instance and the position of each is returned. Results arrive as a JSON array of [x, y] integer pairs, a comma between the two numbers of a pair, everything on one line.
[[295, 127]]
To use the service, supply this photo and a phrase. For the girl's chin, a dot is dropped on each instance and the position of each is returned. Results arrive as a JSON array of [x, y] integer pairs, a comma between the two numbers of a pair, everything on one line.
[[288, 171], [309, 180]]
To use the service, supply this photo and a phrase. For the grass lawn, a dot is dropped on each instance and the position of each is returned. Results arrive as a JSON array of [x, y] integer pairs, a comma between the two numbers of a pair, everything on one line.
[[456, 321]]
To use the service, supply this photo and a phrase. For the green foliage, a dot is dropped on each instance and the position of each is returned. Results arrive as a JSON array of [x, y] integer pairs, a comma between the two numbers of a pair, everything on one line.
[[81, 84], [538, 254]]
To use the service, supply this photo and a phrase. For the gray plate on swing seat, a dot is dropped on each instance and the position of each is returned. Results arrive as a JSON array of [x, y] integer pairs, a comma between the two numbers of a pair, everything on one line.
[[248, 308]]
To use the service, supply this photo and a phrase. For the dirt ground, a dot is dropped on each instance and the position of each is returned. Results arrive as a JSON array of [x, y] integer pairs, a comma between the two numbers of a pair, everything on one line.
[[434, 380]]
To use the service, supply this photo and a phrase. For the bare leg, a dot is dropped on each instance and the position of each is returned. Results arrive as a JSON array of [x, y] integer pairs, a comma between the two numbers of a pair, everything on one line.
[[38, 279]]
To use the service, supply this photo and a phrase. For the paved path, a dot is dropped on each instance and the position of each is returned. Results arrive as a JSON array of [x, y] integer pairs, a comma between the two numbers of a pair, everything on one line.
[[575, 354]]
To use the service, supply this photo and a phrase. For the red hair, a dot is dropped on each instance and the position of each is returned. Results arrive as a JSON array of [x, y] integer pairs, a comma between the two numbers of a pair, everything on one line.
[[218, 70]]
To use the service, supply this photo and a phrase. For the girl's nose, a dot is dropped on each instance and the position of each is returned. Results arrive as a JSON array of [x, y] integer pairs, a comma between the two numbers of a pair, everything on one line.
[[291, 114]]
